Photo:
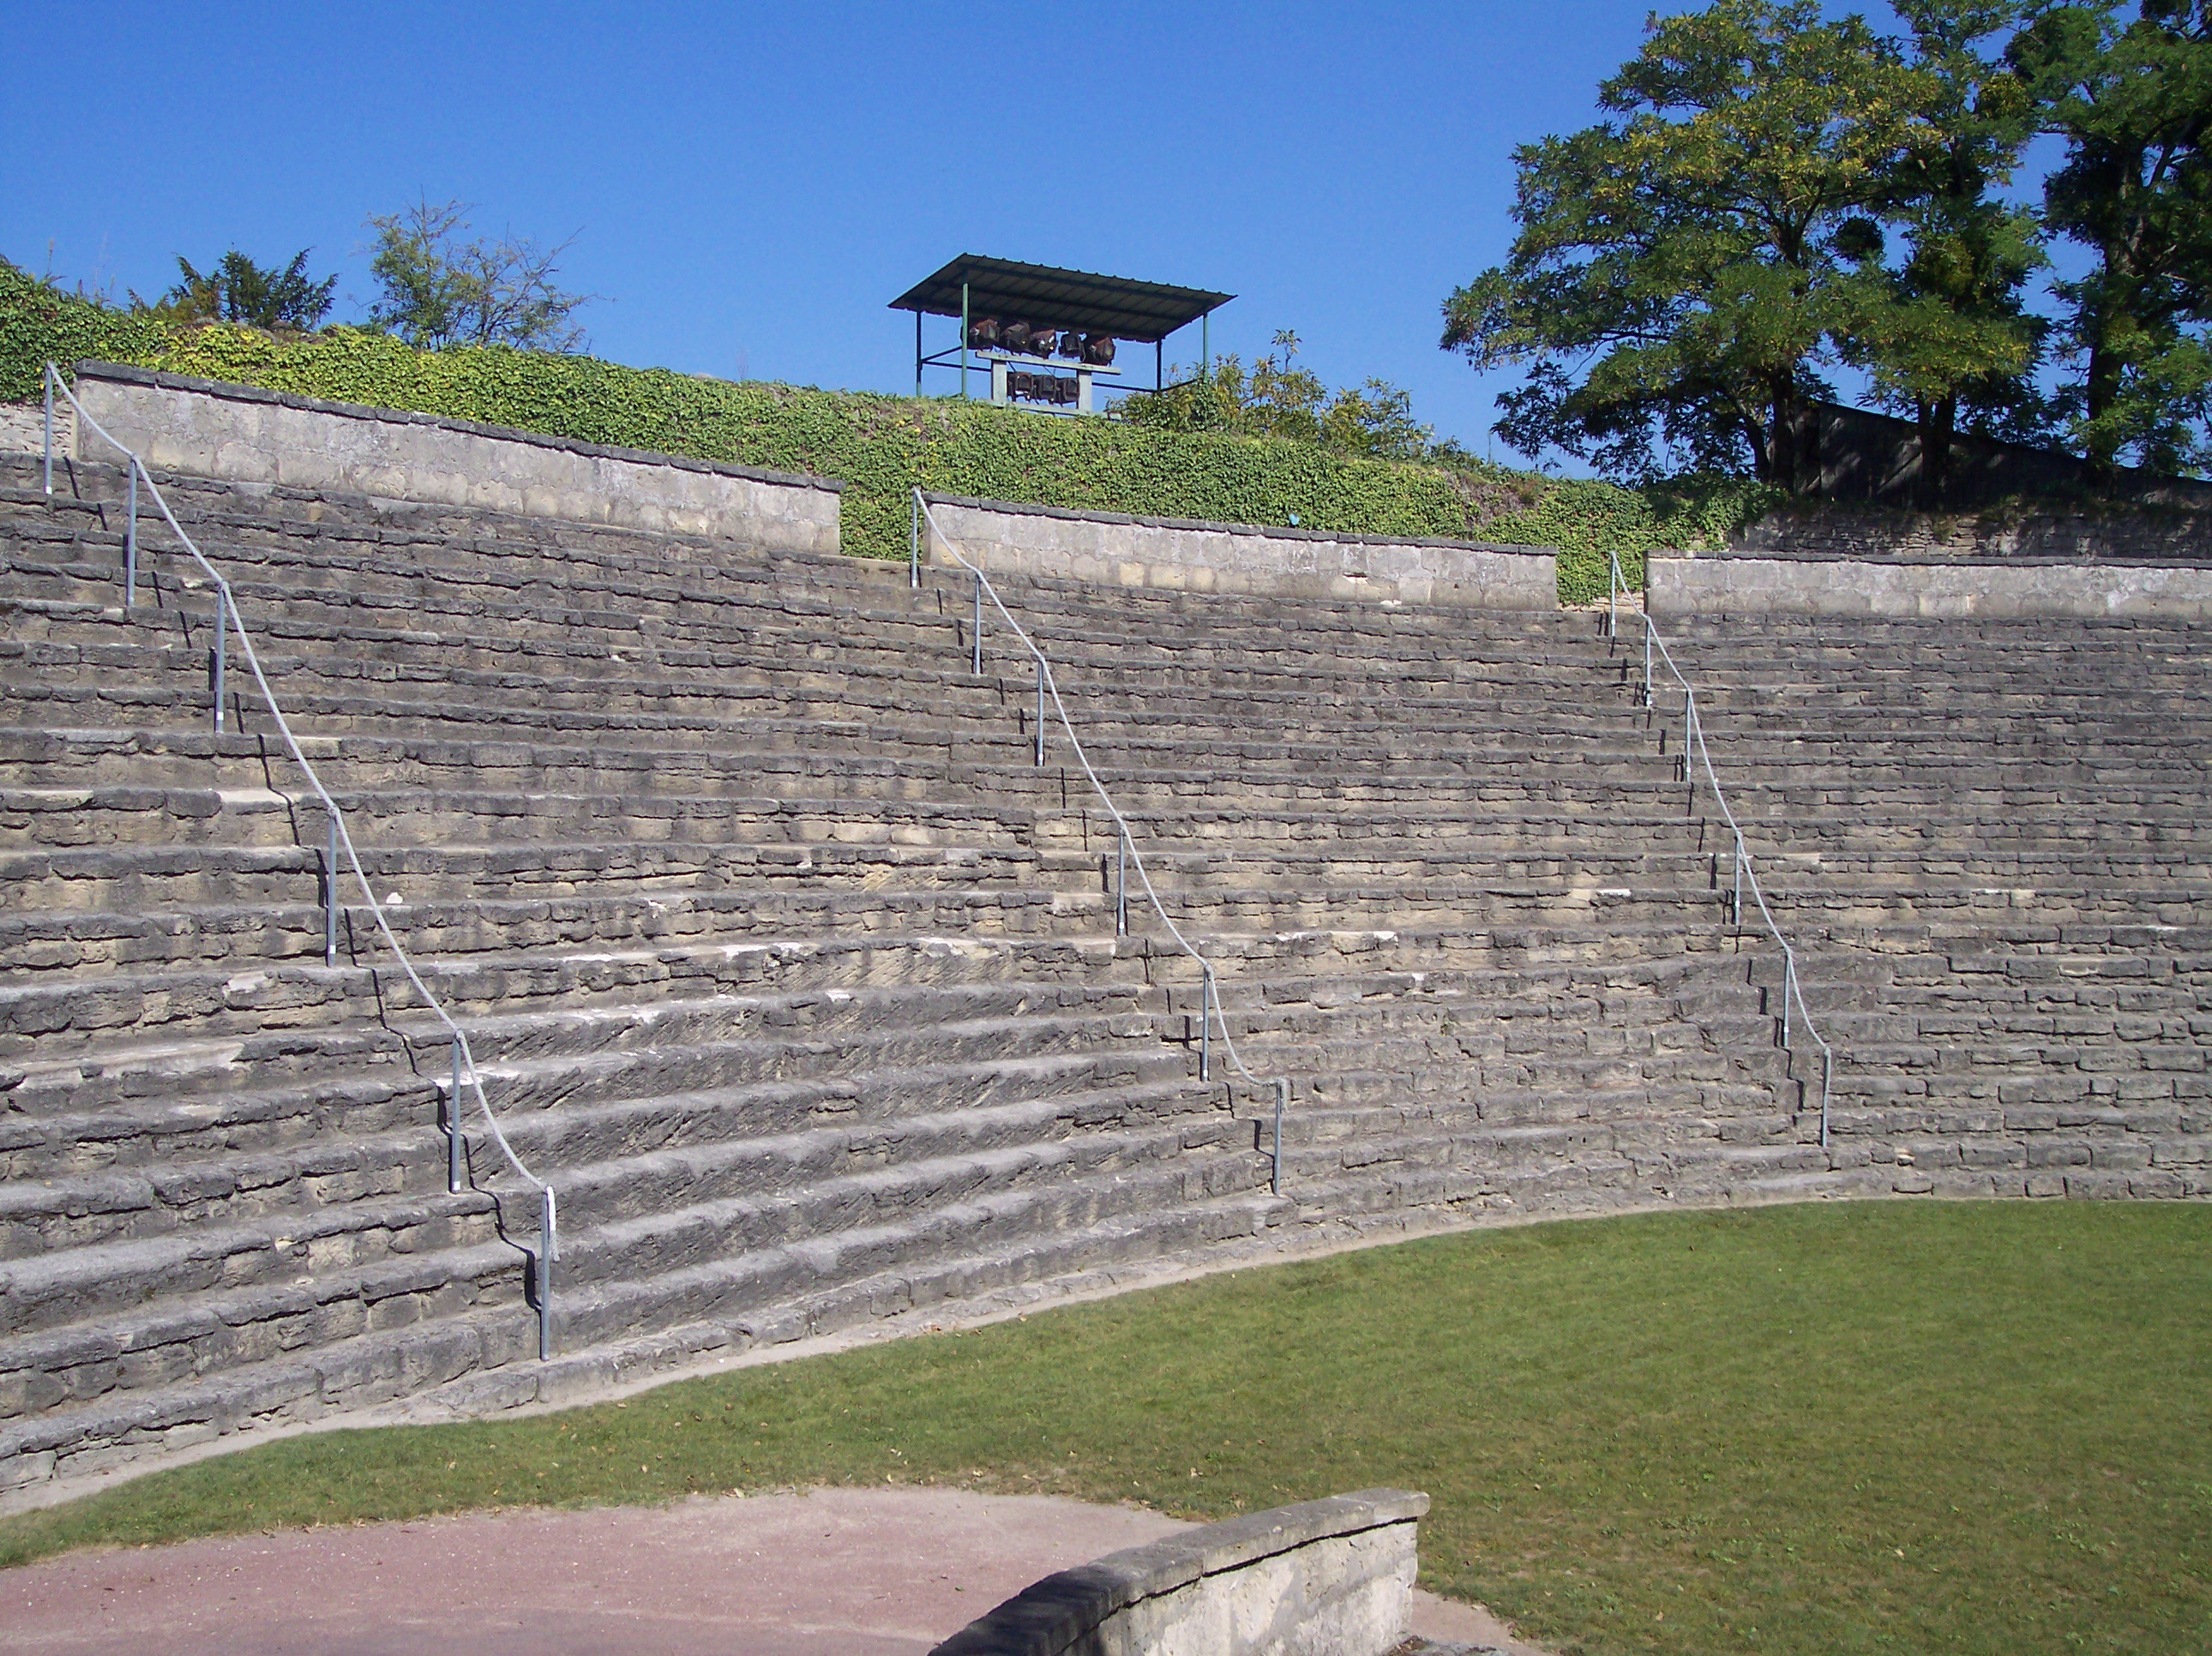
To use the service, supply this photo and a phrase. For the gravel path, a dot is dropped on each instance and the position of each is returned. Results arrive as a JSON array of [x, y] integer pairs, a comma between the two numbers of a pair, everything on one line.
[[852, 1572]]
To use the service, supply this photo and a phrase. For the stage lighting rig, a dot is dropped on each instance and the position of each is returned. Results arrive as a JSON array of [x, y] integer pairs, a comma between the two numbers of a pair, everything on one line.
[[1020, 318]]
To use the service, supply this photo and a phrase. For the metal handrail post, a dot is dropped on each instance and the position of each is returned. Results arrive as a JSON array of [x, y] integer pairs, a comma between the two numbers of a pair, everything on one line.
[[1735, 902], [1612, 593], [1282, 1100], [1693, 740], [131, 544], [914, 542], [976, 636], [1121, 887], [1788, 987], [222, 635], [548, 1250], [1647, 658], [330, 897], [1205, 1024], [1040, 723], [454, 1126], [1828, 1074], [49, 383]]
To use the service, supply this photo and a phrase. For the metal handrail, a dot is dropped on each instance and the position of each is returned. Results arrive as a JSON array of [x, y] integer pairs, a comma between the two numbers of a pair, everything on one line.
[[1209, 994], [1654, 648], [341, 839]]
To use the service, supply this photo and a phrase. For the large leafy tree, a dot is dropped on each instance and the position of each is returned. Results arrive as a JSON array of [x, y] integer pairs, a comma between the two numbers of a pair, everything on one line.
[[2132, 99], [1947, 331], [1677, 274]]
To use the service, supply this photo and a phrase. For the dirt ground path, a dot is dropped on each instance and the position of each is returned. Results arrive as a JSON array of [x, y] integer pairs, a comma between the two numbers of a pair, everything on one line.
[[853, 1572]]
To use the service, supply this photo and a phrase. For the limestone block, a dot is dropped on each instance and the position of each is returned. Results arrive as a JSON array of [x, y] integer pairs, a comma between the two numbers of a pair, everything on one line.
[[1324, 1578], [246, 435], [1873, 587], [1172, 554]]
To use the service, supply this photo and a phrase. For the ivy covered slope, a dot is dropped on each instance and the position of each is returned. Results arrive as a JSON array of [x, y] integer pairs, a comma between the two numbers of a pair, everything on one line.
[[880, 447]]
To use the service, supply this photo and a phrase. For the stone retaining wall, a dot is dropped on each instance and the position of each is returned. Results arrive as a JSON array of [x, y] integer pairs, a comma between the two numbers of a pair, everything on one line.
[[23, 428], [1113, 549], [1737, 584], [1841, 531], [1324, 1578], [243, 434]]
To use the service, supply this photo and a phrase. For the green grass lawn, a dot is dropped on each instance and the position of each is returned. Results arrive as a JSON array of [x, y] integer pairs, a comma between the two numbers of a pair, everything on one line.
[[1976, 1428]]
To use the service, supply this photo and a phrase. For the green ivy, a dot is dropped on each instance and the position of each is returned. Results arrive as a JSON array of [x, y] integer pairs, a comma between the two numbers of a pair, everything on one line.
[[39, 325], [881, 447]]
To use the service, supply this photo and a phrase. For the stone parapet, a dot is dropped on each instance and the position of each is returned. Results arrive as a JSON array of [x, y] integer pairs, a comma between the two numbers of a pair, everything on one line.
[[1323, 1578], [1113, 549], [2177, 530], [243, 434], [23, 428], [1738, 585]]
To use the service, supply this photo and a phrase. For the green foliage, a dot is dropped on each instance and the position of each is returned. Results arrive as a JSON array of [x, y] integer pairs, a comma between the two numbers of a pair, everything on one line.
[[1947, 331], [881, 446], [238, 290], [439, 290], [2133, 101], [1682, 259], [40, 324], [1684, 271], [1373, 421], [1585, 519], [1969, 1426]]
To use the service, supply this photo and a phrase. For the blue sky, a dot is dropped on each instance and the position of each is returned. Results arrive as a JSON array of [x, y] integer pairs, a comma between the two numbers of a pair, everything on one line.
[[749, 186]]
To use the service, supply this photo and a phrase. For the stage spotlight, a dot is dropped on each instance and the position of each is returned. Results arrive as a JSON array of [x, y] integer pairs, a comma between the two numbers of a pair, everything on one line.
[[983, 333], [1098, 349], [1015, 336], [1070, 344]]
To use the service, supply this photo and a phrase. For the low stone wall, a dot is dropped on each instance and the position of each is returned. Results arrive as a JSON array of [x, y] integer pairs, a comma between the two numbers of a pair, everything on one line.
[[1737, 584], [1870, 457], [23, 428], [243, 434], [2170, 534], [1325, 1578], [1112, 549]]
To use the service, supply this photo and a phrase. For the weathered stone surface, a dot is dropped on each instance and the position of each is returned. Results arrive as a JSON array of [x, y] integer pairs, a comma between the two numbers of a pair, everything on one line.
[[1747, 586], [1175, 555], [23, 428], [247, 435], [1324, 1578]]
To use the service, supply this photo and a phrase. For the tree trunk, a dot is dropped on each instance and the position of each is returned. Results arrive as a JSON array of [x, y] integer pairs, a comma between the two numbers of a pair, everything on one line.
[[1755, 435], [1792, 441], [2104, 390], [1939, 423]]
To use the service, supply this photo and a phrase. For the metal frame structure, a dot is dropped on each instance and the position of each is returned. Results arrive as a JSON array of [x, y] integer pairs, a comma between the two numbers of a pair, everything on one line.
[[1143, 313], [1694, 749], [340, 843], [1127, 853]]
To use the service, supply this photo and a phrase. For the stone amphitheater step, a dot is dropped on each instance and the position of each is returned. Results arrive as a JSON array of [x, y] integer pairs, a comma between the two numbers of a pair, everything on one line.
[[74, 944], [136, 877]]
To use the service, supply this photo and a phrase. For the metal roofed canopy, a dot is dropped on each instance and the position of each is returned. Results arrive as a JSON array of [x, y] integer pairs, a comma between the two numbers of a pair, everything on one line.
[[1143, 312]]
